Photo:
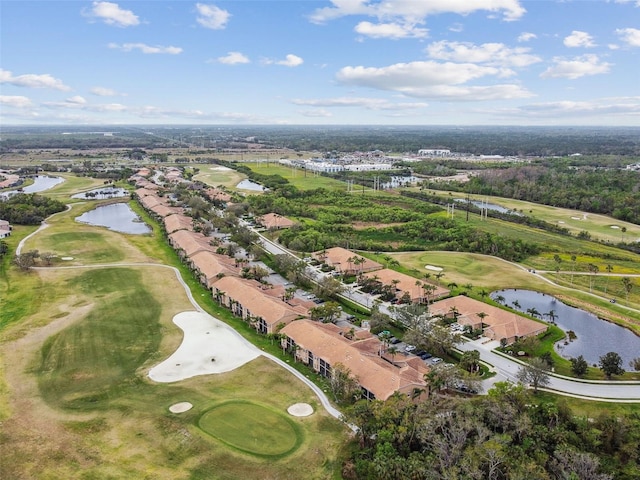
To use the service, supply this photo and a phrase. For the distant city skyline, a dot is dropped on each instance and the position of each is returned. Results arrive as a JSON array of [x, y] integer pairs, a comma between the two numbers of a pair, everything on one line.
[[351, 62]]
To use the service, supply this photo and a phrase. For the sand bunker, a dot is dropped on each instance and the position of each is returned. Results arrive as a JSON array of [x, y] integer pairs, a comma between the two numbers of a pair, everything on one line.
[[300, 410], [180, 407], [615, 226], [435, 269], [209, 346]]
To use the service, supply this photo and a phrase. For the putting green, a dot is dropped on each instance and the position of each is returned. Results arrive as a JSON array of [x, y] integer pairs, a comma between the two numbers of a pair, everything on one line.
[[252, 428]]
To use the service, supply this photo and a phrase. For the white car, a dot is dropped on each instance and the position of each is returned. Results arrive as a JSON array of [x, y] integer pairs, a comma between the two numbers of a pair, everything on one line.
[[409, 348], [435, 360]]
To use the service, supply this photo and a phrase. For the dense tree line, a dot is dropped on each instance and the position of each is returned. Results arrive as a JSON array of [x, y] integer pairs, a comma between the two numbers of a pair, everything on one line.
[[507, 435], [495, 140], [513, 217], [28, 209], [607, 191]]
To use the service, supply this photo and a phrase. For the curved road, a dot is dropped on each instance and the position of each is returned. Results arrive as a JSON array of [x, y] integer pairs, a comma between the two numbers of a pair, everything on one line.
[[324, 400], [506, 368]]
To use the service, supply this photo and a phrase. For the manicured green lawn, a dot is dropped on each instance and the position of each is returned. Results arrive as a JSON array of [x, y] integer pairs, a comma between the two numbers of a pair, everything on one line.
[[301, 179], [252, 428], [599, 226], [97, 358], [215, 175]]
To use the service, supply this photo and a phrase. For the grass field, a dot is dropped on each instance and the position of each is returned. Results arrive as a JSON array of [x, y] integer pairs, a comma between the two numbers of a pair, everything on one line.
[[75, 346], [216, 176], [599, 226], [252, 428], [301, 179]]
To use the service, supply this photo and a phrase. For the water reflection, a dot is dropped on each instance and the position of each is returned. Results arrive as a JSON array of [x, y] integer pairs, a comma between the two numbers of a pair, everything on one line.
[[595, 337], [40, 184], [249, 185], [102, 193], [117, 216]]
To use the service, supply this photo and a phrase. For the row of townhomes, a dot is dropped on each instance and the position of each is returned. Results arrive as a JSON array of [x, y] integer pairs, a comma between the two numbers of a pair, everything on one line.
[[269, 310]]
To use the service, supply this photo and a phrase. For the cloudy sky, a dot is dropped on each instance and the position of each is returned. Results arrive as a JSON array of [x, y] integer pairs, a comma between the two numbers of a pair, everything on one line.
[[407, 62]]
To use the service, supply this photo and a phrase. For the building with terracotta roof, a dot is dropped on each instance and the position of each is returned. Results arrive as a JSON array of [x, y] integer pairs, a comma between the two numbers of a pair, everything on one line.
[[345, 261], [177, 221], [496, 323], [273, 221], [217, 195], [188, 243], [210, 267], [162, 210], [418, 292], [323, 346], [246, 299]]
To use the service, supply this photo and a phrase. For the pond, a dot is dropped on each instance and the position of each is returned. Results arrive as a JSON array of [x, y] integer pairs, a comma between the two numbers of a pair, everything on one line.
[[595, 337], [40, 184], [102, 193], [488, 206], [249, 185], [117, 216]]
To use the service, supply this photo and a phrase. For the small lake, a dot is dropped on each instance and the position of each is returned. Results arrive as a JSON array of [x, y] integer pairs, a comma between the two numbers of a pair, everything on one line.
[[249, 185], [102, 193], [117, 216], [40, 184], [488, 206], [595, 337]]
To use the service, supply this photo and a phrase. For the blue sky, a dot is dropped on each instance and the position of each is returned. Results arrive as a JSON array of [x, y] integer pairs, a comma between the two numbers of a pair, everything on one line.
[[403, 62]]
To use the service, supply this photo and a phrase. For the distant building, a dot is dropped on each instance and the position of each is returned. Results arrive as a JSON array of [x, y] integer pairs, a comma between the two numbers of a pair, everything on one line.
[[434, 152], [5, 229]]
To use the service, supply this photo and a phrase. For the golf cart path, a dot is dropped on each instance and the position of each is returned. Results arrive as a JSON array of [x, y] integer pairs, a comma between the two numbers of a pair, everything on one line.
[[324, 400]]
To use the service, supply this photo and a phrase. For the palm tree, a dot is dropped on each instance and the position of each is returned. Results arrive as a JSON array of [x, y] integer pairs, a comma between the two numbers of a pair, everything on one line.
[[439, 275], [393, 351], [533, 312], [516, 304], [594, 270], [628, 286], [482, 316], [552, 316], [499, 299], [609, 270], [558, 260], [483, 293]]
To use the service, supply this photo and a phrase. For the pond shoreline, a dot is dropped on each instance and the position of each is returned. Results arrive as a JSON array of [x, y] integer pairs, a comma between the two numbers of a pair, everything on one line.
[[602, 314]]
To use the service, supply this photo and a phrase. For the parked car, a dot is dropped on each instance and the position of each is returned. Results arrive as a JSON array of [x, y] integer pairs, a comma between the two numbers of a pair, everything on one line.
[[425, 356], [409, 348], [394, 340], [436, 360]]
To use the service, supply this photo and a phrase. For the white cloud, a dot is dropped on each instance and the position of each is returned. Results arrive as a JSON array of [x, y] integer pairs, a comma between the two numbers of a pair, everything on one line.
[[211, 16], [390, 30], [31, 80], [585, 65], [432, 80], [76, 100], [595, 108], [630, 36], [290, 60], [636, 2], [234, 58], [111, 14], [488, 53], [146, 49], [526, 36], [317, 113], [579, 39], [104, 92], [415, 11], [361, 102], [15, 101]]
